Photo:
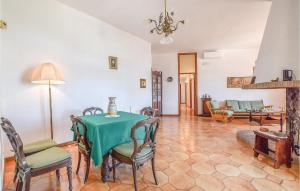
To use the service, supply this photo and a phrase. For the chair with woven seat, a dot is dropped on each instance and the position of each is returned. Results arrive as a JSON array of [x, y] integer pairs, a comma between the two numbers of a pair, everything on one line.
[[138, 151], [52, 159], [84, 146], [92, 111], [149, 111]]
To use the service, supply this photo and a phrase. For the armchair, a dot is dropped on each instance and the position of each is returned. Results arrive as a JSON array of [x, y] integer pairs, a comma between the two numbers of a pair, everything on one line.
[[222, 114]]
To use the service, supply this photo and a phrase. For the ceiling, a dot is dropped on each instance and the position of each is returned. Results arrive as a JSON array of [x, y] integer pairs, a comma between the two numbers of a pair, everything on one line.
[[210, 24]]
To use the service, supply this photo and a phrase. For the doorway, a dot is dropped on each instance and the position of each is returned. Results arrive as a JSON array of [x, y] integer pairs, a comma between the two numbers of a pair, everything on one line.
[[187, 83]]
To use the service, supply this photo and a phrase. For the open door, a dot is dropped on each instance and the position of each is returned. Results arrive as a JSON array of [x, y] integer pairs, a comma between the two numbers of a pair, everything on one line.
[[187, 78]]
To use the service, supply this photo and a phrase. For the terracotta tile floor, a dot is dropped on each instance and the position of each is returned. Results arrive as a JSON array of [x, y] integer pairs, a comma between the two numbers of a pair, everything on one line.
[[194, 154]]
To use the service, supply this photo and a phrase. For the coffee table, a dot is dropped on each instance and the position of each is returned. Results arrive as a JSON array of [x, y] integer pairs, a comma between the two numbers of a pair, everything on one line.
[[268, 117]]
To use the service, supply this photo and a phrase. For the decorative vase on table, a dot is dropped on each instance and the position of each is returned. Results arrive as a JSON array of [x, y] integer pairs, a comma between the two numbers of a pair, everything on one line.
[[112, 107]]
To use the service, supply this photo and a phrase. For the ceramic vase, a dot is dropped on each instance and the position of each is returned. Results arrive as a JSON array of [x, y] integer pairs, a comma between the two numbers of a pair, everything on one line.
[[112, 107]]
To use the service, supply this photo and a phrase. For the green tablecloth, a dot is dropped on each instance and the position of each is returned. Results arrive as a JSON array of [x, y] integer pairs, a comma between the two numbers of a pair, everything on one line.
[[106, 133]]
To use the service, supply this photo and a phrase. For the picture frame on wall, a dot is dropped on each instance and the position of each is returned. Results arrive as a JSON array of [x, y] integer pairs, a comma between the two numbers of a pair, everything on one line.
[[113, 63], [142, 83], [239, 82]]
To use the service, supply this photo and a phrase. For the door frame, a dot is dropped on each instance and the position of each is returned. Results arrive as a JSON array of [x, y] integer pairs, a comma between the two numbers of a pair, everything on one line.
[[195, 81]]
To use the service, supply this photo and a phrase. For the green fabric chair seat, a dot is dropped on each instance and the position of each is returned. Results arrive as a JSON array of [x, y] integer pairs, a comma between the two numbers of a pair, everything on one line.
[[128, 148], [226, 112], [82, 146], [38, 146], [47, 157]]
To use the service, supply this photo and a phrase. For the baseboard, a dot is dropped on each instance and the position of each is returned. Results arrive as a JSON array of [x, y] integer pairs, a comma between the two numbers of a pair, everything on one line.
[[12, 158], [169, 115]]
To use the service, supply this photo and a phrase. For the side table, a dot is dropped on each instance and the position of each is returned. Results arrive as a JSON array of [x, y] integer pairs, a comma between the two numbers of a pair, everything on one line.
[[283, 149]]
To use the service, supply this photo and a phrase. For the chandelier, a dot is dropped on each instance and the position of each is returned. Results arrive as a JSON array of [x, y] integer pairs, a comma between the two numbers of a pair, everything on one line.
[[165, 25]]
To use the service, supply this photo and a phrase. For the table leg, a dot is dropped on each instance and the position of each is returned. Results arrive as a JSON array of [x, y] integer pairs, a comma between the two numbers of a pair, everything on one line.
[[105, 168], [281, 122]]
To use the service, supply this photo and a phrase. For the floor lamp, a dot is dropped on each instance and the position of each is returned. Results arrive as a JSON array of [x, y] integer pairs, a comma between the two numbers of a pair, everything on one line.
[[48, 74]]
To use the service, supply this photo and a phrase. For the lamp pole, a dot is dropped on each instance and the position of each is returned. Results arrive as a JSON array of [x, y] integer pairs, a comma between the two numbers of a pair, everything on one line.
[[50, 107]]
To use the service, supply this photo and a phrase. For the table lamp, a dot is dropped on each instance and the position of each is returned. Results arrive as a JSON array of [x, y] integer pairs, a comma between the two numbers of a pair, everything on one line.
[[48, 74]]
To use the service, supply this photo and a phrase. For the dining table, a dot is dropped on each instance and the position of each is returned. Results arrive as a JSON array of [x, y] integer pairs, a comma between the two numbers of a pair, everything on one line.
[[104, 132]]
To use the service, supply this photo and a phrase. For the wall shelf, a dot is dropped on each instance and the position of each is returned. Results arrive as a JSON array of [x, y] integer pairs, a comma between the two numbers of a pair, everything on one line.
[[274, 85]]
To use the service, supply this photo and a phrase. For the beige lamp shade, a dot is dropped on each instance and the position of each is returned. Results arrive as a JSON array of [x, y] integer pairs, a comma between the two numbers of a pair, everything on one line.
[[47, 73]]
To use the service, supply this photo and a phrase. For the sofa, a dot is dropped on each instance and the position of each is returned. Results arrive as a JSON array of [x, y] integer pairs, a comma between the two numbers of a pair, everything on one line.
[[243, 108]]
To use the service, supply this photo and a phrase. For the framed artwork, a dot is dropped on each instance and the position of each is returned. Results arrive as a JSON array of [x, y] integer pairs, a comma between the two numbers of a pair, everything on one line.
[[113, 63], [238, 82], [142, 83]]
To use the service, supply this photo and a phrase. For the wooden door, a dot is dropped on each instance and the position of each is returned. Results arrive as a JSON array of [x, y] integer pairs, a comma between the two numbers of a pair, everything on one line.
[[157, 91]]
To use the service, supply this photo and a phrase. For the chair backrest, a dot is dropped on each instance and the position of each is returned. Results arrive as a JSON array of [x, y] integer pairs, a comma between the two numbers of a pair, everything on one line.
[[92, 111], [151, 127], [149, 111], [80, 129], [208, 104], [15, 142]]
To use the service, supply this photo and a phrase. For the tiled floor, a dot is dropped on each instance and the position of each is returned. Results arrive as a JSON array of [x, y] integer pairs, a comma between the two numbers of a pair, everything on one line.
[[194, 154]]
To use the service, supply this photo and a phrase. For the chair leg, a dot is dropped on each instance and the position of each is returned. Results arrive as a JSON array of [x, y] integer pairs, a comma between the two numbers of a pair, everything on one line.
[[153, 170], [69, 172], [16, 173], [19, 186], [114, 168], [78, 164], [134, 176], [27, 182], [16, 170], [57, 172], [87, 170]]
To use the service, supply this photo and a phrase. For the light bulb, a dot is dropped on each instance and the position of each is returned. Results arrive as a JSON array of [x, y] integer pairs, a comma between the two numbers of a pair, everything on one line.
[[166, 40]]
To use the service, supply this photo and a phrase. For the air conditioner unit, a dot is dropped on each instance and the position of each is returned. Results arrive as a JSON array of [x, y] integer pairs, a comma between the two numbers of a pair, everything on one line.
[[212, 55]]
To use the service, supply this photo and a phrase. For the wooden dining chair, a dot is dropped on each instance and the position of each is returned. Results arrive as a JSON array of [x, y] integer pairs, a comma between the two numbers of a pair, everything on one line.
[[35, 147], [92, 111], [138, 151], [84, 146], [52, 159], [149, 111]]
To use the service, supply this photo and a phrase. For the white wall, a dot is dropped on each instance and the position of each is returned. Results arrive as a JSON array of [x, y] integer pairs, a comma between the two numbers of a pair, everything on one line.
[[212, 78], [48, 31], [167, 63], [1, 105], [213, 75], [280, 45]]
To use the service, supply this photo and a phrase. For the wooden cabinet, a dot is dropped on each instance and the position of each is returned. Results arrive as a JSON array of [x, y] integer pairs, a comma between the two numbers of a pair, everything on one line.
[[205, 110], [157, 91]]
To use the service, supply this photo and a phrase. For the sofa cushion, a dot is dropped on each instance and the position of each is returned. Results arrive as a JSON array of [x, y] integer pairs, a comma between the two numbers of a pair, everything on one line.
[[38, 146], [241, 111], [228, 113], [245, 105], [233, 104], [47, 157], [257, 105]]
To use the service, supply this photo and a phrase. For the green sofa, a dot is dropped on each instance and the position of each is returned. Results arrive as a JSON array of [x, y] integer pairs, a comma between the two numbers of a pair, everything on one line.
[[243, 108]]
